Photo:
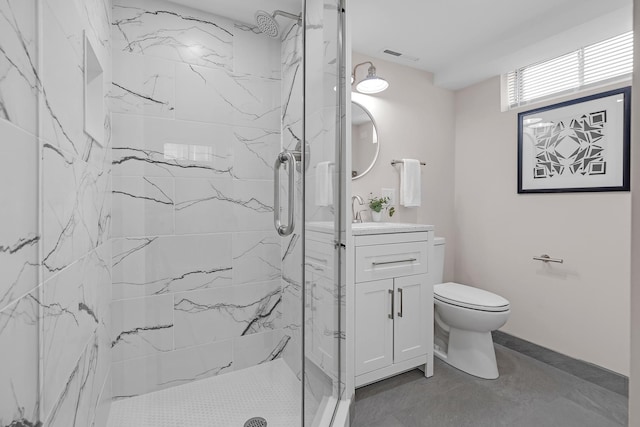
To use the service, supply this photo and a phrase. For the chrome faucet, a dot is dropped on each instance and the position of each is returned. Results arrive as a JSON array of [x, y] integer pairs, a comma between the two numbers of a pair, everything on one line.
[[357, 217]]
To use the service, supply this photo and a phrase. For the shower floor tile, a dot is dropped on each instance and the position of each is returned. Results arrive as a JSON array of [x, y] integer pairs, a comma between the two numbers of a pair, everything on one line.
[[270, 391]]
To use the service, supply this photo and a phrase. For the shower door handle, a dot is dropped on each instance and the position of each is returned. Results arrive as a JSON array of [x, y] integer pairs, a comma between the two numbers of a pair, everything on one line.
[[282, 158]]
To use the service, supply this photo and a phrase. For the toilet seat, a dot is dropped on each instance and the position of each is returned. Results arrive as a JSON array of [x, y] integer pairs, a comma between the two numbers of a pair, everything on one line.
[[469, 297]]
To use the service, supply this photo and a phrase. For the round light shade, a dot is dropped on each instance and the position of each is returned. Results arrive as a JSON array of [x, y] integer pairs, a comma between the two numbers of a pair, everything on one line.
[[372, 84]]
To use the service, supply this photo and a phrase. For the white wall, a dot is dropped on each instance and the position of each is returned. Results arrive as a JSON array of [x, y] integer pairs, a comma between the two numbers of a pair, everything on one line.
[[415, 119], [579, 308]]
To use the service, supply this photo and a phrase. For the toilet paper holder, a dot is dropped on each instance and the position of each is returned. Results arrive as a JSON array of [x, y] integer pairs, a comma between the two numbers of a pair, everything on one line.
[[547, 258]]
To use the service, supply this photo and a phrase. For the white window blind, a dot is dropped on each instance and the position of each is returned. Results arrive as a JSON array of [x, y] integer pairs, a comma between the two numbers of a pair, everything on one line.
[[589, 66]]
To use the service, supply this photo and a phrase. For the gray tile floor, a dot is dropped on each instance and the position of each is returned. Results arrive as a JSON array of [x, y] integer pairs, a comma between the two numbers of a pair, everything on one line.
[[528, 393]]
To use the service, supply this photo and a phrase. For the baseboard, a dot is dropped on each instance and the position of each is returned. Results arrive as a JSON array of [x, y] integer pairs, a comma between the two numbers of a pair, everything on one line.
[[587, 371]]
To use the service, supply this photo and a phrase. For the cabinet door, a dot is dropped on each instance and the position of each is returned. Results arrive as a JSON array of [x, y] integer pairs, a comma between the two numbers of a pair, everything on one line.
[[374, 325], [410, 325]]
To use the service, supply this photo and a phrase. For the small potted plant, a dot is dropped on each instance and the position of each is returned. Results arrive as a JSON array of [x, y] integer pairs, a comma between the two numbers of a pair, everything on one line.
[[377, 205]]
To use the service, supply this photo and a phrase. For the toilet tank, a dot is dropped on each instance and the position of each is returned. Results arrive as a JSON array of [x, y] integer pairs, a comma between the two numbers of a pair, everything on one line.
[[438, 267]]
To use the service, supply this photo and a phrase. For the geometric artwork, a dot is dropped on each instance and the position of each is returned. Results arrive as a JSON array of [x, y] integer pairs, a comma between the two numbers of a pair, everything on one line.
[[576, 146], [571, 149]]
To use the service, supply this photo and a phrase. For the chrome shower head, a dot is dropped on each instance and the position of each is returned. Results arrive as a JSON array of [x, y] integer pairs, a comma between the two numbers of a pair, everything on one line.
[[268, 25]]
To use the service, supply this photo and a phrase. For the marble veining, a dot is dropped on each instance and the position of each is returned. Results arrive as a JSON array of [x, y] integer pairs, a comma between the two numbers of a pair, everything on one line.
[[150, 146], [20, 242], [254, 151], [136, 272], [80, 397], [166, 31], [19, 80], [218, 96], [19, 399], [121, 94], [252, 315], [76, 201], [255, 257], [141, 327], [159, 159], [74, 310], [122, 336], [145, 206], [217, 314], [143, 86], [251, 203]]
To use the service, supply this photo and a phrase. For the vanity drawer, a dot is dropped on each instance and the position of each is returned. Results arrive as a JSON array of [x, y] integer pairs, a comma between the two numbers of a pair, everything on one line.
[[386, 261]]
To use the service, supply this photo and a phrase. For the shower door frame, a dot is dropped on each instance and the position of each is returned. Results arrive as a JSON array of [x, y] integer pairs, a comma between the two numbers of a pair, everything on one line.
[[341, 221]]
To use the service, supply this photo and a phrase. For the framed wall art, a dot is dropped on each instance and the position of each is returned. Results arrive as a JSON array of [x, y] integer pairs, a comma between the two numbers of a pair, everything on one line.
[[576, 146]]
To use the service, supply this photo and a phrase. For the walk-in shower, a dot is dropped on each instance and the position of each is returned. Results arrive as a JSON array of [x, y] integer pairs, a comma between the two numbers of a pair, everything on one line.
[[146, 282]]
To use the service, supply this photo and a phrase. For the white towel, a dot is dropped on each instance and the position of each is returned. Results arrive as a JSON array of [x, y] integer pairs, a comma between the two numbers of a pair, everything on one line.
[[410, 183], [324, 184]]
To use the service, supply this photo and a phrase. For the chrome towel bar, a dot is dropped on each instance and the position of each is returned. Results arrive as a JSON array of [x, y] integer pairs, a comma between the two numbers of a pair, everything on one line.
[[547, 258], [397, 162]]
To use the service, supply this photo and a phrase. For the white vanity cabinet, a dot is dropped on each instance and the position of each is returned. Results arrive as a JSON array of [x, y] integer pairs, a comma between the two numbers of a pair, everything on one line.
[[393, 303]]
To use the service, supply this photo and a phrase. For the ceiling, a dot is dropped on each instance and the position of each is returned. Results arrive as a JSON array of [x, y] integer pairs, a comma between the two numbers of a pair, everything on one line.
[[461, 41], [466, 41]]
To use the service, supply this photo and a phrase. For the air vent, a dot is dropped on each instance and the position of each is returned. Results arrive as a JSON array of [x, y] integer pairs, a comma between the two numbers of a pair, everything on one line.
[[391, 52], [400, 55]]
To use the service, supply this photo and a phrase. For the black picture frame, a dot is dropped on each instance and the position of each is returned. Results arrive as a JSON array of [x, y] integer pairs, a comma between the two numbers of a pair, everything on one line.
[[591, 139]]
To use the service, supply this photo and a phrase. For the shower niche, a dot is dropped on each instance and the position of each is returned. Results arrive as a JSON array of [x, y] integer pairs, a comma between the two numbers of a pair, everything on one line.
[[93, 93]]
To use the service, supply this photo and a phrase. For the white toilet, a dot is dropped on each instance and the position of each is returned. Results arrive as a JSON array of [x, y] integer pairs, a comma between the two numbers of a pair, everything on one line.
[[464, 319]]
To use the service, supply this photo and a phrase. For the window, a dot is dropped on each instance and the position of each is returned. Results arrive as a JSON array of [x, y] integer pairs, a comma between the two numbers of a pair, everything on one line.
[[600, 63]]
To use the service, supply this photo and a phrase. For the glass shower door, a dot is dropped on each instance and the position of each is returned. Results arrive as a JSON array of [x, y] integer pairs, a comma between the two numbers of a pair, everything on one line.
[[307, 185], [323, 187]]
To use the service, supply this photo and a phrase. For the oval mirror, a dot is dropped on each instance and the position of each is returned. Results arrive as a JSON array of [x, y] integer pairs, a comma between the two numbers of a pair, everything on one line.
[[364, 141]]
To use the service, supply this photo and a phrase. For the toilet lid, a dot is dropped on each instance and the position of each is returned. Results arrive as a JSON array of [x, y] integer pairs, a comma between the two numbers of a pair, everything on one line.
[[467, 296]]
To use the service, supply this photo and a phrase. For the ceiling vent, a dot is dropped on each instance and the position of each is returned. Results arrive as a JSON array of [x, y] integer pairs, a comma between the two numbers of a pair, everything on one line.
[[391, 52], [400, 55]]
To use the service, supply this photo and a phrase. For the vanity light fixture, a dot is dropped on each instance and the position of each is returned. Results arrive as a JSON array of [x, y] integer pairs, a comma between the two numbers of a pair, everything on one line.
[[372, 83]]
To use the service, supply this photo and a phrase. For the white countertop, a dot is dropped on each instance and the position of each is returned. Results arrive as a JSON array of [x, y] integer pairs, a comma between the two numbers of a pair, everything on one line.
[[367, 228]]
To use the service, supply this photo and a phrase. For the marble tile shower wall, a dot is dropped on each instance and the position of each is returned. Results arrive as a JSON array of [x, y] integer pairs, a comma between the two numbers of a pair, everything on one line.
[[54, 240], [196, 263]]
